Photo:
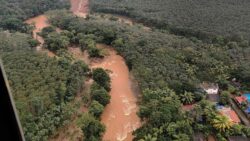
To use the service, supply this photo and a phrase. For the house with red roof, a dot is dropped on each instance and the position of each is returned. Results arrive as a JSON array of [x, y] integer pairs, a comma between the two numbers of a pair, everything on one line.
[[240, 99], [230, 113]]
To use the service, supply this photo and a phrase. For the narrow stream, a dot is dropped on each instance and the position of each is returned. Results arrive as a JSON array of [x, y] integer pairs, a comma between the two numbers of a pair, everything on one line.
[[119, 116]]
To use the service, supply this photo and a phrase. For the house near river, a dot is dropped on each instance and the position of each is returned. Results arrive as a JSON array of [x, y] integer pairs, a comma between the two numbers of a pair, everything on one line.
[[243, 102], [229, 113], [212, 91]]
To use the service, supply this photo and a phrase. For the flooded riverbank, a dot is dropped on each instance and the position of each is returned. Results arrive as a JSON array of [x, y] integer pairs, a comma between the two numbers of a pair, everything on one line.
[[80, 7], [39, 23], [119, 116]]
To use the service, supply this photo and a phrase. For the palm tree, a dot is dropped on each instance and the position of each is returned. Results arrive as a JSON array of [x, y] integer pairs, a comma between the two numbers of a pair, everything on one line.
[[187, 98], [221, 123], [149, 137], [181, 137]]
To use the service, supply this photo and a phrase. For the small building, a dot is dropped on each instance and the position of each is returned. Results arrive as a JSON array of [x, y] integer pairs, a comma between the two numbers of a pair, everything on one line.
[[210, 88], [212, 91], [240, 99], [230, 113]]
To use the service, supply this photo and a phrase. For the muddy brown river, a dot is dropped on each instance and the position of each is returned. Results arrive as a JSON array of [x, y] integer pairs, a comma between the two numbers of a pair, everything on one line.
[[119, 116]]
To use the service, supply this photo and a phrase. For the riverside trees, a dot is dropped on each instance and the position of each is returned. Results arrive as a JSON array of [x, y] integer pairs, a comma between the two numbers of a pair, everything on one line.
[[12, 13], [168, 68]]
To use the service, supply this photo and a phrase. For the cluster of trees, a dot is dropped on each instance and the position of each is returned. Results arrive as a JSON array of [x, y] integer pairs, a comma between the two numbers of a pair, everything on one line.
[[159, 60], [92, 128], [14, 42], [180, 62], [203, 19], [207, 120], [41, 86], [13, 12], [55, 41], [165, 120]]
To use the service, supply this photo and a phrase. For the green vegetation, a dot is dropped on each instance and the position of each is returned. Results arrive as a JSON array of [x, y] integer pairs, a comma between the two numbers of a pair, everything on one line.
[[225, 98], [96, 109], [222, 123], [181, 63], [187, 98], [13, 12], [55, 41], [77, 72], [99, 94], [202, 19], [165, 120], [14, 42], [168, 67], [102, 78], [40, 85], [91, 127], [169, 70], [46, 31]]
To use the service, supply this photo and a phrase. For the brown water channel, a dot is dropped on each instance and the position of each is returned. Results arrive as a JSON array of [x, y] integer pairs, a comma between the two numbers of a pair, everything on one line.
[[119, 116]]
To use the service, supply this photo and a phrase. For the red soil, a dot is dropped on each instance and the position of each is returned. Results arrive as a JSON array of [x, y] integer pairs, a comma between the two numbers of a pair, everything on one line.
[[40, 22], [80, 7]]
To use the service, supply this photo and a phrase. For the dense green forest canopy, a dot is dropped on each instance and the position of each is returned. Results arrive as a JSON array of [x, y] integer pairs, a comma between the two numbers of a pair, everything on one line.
[[169, 69], [13, 12], [158, 59], [41, 85], [192, 17]]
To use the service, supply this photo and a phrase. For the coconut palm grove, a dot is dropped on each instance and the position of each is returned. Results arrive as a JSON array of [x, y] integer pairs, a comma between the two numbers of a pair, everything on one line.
[[128, 70]]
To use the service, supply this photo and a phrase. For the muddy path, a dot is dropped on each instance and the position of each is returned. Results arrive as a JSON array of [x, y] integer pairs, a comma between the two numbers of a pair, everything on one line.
[[119, 116], [39, 23]]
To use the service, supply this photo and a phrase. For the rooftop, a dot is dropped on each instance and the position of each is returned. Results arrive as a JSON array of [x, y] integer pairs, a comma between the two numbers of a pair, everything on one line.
[[228, 112], [240, 99], [210, 88]]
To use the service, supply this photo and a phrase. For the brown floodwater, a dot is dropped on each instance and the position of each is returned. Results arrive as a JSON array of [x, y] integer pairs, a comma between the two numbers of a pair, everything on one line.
[[80, 7], [119, 116], [40, 22]]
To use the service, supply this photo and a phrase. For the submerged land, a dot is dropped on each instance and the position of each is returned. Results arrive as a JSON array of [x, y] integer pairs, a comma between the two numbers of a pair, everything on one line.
[[108, 70]]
